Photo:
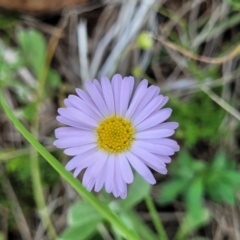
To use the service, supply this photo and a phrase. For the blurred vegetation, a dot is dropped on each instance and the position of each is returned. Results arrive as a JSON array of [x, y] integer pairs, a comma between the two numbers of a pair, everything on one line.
[[203, 178]]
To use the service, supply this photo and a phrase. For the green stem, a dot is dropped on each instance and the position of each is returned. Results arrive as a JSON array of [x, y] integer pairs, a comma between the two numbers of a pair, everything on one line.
[[39, 195], [183, 230], [180, 235], [35, 169], [96, 203], [155, 218]]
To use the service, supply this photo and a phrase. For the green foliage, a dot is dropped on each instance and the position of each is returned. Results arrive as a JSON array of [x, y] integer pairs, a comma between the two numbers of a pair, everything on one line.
[[84, 216], [223, 180], [137, 191], [32, 54], [20, 167], [82, 220], [34, 48], [210, 71], [195, 125], [2, 236], [194, 179], [7, 21], [234, 3]]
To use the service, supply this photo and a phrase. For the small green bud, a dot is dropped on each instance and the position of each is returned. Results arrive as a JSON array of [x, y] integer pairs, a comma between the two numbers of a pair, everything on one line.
[[145, 40], [137, 72]]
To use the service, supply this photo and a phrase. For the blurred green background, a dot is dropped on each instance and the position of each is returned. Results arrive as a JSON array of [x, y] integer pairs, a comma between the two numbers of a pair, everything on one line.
[[191, 49]]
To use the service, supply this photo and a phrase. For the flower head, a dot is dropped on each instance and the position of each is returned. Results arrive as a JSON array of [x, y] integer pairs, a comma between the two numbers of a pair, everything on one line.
[[112, 129]]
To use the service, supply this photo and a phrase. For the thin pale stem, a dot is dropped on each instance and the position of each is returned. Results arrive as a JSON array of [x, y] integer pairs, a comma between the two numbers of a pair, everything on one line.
[[35, 170], [155, 218]]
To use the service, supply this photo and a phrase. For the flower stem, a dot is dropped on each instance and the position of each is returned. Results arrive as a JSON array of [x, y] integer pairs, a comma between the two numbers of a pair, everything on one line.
[[39, 196], [155, 218]]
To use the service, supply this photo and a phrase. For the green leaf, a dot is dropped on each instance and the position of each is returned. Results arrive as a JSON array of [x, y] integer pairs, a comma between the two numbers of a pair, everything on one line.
[[137, 191], [140, 226], [83, 232], [54, 79], [28, 111], [194, 198], [223, 192], [219, 161], [184, 159], [233, 177], [182, 168], [171, 189], [83, 214], [33, 46], [191, 223]]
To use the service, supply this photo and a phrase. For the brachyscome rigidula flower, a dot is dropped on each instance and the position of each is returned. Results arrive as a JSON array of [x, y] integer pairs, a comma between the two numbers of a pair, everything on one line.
[[111, 129]]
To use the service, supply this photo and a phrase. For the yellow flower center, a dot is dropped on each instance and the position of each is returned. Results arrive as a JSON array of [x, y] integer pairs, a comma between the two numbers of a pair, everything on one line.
[[115, 134]]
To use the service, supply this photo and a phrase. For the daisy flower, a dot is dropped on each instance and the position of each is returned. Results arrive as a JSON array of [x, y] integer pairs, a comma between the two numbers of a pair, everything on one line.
[[112, 128]]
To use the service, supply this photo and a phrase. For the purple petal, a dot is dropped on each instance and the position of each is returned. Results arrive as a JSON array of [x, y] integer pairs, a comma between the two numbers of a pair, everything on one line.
[[150, 108], [164, 101], [116, 86], [77, 115], [150, 94], [100, 180], [165, 159], [71, 123], [74, 141], [151, 134], [119, 179], [79, 149], [140, 167], [157, 91], [88, 180], [66, 132], [154, 148], [73, 163], [123, 195], [97, 98], [82, 106], [86, 162], [138, 95], [125, 94], [167, 142], [86, 177], [90, 185], [99, 164], [67, 103], [98, 86], [154, 120], [125, 168], [108, 94], [167, 125], [151, 160], [115, 191], [110, 174], [87, 99]]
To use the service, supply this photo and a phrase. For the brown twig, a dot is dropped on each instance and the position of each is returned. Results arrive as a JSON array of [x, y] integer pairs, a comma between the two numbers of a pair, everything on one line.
[[220, 60]]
